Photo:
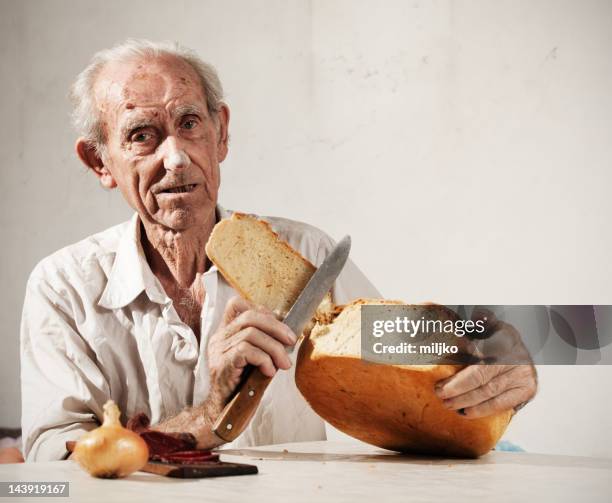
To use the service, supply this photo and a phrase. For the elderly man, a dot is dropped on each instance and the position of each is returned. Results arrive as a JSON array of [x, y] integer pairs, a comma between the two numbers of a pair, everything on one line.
[[137, 313]]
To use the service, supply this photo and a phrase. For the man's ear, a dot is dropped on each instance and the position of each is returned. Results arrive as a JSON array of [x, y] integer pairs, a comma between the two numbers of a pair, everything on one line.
[[90, 157], [223, 120]]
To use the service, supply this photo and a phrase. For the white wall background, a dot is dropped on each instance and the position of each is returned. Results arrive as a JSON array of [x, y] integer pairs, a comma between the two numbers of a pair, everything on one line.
[[465, 145]]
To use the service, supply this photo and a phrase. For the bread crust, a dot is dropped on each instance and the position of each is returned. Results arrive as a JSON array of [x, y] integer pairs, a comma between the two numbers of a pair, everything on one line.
[[391, 406]]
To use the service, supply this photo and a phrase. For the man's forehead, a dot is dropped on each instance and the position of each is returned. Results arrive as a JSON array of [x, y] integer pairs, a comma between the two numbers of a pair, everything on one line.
[[147, 83]]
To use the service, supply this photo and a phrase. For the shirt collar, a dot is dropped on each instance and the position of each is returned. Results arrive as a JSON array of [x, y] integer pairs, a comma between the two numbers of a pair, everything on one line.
[[131, 274]]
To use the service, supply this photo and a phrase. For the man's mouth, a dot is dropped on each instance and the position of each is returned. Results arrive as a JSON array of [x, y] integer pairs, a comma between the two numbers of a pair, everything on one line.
[[180, 190]]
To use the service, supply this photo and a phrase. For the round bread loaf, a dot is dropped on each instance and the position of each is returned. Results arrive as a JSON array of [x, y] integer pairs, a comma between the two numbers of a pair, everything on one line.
[[390, 406]]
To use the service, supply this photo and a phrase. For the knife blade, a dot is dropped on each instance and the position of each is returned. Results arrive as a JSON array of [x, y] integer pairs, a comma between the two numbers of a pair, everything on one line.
[[241, 407]]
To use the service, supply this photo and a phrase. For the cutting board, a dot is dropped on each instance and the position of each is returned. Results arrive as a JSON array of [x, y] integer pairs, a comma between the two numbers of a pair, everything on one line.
[[199, 471], [192, 471]]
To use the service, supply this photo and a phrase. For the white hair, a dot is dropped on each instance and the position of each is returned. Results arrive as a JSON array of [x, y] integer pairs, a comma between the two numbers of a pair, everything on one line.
[[85, 114]]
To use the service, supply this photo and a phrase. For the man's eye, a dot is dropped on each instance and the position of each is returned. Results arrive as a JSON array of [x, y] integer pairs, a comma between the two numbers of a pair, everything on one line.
[[190, 124], [141, 137]]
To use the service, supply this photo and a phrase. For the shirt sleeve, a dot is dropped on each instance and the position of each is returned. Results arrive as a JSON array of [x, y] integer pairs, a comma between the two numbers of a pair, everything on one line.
[[352, 283], [62, 388]]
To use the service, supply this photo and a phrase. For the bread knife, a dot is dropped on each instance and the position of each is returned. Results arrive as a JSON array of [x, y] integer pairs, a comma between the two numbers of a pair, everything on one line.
[[242, 405]]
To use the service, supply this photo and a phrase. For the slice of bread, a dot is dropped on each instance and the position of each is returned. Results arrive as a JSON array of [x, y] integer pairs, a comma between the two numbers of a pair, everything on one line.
[[391, 406], [259, 265]]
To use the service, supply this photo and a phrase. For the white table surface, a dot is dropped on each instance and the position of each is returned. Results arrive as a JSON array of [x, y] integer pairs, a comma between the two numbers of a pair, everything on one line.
[[346, 471]]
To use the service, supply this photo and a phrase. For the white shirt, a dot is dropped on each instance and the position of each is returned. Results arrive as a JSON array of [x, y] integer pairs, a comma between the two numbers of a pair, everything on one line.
[[97, 324]]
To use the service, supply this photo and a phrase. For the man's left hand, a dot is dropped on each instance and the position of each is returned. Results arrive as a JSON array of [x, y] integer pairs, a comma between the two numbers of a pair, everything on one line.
[[483, 390]]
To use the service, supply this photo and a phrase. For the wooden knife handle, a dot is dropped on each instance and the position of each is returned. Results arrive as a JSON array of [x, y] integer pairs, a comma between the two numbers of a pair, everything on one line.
[[238, 412]]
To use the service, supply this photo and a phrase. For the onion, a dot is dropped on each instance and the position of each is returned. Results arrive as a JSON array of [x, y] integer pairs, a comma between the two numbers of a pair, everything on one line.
[[111, 451]]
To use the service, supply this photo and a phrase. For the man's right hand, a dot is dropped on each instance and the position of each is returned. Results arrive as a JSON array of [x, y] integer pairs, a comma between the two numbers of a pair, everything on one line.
[[248, 335]]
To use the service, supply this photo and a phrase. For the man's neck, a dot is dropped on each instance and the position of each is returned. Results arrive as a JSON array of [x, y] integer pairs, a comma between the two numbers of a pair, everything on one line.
[[177, 257]]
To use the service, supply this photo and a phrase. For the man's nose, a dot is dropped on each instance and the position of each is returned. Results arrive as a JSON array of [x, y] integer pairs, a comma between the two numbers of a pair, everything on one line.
[[175, 158]]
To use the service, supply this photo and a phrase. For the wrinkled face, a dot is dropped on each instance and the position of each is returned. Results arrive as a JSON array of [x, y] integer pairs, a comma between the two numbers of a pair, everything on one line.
[[163, 147]]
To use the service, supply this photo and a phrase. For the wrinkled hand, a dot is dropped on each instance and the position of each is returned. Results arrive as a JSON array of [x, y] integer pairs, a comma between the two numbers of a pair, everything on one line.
[[248, 335], [485, 389]]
